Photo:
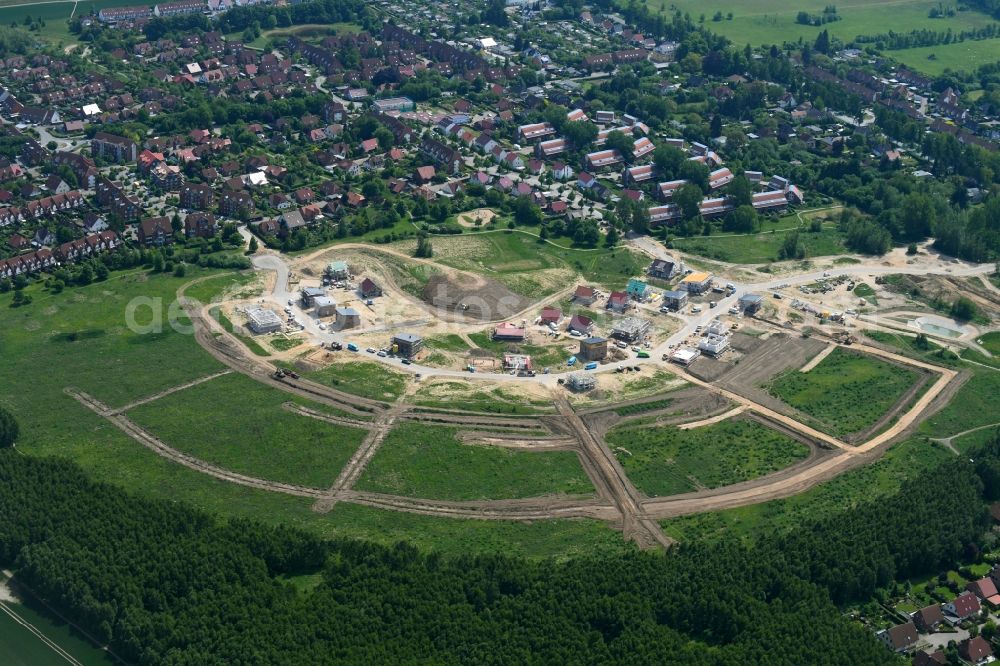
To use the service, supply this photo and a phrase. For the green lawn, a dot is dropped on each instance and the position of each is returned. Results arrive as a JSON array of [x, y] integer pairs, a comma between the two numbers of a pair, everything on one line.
[[239, 424], [364, 378], [308, 32], [846, 393], [773, 21], [760, 248], [964, 56], [427, 461], [667, 460]]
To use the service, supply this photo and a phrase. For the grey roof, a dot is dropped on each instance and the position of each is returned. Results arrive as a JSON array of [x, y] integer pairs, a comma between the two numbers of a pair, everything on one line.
[[407, 337], [594, 340], [314, 291], [347, 312], [675, 294], [323, 301], [751, 298]]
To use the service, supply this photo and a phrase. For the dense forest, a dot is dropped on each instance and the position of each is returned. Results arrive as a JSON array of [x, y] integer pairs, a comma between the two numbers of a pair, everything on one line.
[[165, 583]]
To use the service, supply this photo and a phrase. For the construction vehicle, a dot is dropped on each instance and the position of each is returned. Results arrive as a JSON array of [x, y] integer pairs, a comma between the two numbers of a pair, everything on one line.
[[845, 338]]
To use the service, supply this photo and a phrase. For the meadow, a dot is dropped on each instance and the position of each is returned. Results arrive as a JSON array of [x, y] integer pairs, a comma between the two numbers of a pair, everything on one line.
[[419, 460], [239, 424], [847, 392], [665, 460], [964, 56], [773, 21]]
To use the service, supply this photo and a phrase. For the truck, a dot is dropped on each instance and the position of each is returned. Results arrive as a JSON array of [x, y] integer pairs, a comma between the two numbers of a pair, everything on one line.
[[352, 347], [591, 366]]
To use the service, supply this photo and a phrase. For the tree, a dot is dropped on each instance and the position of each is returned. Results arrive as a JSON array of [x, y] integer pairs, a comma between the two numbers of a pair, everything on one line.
[[668, 160], [688, 196], [740, 191], [964, 309], [579, 134], [179, 270], [696, 172], [424, 249], [253, 246], [822, 42], [792, 247], [20, 298], [526, 213], [618, 140], [715, 127], [742, 220], [612, 238], [9, 429]]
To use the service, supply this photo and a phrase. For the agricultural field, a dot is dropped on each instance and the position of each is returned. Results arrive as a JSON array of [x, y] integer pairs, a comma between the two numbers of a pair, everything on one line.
[[773, 22], [664, 461], [418, 460], [364, 378], [846, 393], [239, 424], [964, 56]]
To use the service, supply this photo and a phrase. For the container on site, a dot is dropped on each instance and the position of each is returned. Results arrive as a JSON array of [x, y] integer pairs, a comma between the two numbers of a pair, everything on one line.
[[352, 347], [591, 366]]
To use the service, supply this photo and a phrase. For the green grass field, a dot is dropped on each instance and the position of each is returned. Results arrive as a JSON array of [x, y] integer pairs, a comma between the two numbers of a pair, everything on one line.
[[763, 247], [846, 393], [866, 292], [990, 342], [667, 460], [513, 258], [462, 395], [364, 378], [903, 461], [239, 424], [241, 285], [957, 57], [308, 32], [773, 21], [542, 356], [418, 460]]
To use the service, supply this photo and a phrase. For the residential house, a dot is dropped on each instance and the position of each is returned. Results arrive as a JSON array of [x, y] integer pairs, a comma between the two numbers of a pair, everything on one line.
[[720, 178], [975, 650], [900, 638], [961, 607], [662, 269], [584, 295], [202, 225], [369, 289], [232, 204], [928, 618], [114, 148], [196, 196], [617, 301], [986, 590], [156, 231], [581, 324]]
